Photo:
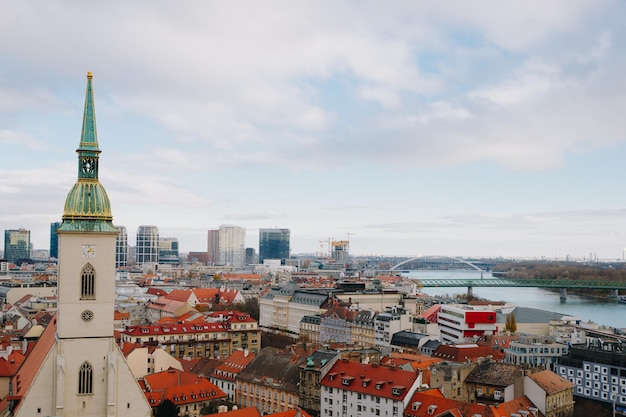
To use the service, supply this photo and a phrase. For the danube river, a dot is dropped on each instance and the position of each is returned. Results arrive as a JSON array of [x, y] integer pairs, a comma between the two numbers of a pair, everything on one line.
[[607, 312]]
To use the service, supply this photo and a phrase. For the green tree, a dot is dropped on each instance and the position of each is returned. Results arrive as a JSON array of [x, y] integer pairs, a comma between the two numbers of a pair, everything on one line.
[[167, 409]]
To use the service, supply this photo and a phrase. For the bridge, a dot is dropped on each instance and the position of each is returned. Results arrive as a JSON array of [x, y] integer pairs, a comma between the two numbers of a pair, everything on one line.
[[561, 284], [444, 263]]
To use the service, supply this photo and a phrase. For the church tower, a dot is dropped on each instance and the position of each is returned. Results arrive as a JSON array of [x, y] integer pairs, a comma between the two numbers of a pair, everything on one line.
[[80, 371]]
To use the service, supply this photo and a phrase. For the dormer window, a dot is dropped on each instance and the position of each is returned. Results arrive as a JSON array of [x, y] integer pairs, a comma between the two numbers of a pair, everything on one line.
[[397, 389], [332, 376], [432, 409], [346, 380], [416, 405]]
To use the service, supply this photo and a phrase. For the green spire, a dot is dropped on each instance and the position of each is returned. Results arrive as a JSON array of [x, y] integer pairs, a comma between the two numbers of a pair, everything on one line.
[[87, 207], [89, 137]]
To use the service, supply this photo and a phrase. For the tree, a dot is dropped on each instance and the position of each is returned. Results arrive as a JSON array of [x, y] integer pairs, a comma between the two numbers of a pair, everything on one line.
[[167, 409], [510, 324]]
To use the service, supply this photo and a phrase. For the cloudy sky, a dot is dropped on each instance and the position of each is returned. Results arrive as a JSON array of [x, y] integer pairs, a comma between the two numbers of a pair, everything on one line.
[[411, 128]]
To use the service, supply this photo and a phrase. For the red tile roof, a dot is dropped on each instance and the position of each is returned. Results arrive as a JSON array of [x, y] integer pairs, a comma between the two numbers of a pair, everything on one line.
[[551, 382], [515, 406], [172, 329], [432, 403], [179, 295], [380, 381], [242, 412], [289, 413], [234, 364], [180, 388], [9, 367]]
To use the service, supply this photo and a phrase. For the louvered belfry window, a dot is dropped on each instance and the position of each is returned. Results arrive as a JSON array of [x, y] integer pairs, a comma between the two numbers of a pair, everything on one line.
[[88, 283]]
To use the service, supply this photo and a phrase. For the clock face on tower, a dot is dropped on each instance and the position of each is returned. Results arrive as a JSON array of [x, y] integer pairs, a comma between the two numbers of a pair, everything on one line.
[[88, 251]]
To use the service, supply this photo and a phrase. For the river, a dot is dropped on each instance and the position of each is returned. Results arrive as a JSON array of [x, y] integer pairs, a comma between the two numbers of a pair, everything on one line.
[[601, 311]]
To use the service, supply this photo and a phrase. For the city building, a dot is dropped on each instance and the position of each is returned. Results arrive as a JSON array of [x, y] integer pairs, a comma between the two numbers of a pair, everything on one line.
[[121, 248], [459, 323], [388, 323], [147, 248], [189, 393], [362, 390], [310, 329], [312, 372], [598, 371], [213, 246], [168, 251], [251, 257], [270, 382], [282, 309], [273, 244], [225, 375], [232, 250], [54, 240], [17, 245], [335, 324], [340, 251], [449, 378], [492, 382], [550, 393], [76, 367], [362, 329], [535, 350]]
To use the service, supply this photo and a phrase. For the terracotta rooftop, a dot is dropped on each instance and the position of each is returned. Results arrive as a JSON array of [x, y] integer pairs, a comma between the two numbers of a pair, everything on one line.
[[551, 382], [180, 388], [242, 412], [462, 353], [514, 407], [233, 365], [432, 403], [379, 381]]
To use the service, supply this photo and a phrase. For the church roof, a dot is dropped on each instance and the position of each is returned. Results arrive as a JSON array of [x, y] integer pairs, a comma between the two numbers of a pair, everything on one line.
[[87, 206]]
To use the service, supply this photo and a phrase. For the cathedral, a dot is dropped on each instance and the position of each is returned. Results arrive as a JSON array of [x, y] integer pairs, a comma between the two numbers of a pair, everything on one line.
[[76, 367]]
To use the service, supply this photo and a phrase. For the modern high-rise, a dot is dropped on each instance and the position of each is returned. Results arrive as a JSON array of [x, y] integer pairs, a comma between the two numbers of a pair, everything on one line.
[[17, 245], [168, 251], [54, 240], [121, 248], [213, 246], [273, 244], [232, 250], [341, 251], [147, 249]]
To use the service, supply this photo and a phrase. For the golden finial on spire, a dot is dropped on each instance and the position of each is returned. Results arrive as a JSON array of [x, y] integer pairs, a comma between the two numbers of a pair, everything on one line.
[[89, 75]]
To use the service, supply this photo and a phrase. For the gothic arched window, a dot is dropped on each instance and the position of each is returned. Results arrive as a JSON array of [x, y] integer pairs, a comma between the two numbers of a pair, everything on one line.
[[85, 379], [88, 283]]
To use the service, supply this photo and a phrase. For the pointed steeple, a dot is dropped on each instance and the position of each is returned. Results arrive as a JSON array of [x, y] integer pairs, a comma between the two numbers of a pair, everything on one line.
[[87, 206]]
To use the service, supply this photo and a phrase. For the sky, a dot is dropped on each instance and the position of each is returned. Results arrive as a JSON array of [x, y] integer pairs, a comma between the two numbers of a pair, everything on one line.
[[408, 128]]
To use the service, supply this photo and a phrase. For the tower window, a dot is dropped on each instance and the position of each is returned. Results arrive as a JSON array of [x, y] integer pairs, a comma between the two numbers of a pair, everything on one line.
[[88, 283], [85, 379]]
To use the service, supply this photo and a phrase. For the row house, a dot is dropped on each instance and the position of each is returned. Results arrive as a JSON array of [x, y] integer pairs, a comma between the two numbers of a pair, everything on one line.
[[310, 329], [269, 382], [183, 341], [362, 329], [282, 309], [553, 395], [335, 325], [356, 389], [225, 375], [494, 382], [189, 392], [312, 372], [242, 328]]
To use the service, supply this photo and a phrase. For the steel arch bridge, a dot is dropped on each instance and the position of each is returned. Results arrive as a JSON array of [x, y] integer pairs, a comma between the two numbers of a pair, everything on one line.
[[436, 263]]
